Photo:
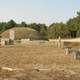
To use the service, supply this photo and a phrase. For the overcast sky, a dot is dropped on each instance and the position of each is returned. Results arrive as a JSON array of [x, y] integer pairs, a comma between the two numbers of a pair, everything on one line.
[[39, 11]]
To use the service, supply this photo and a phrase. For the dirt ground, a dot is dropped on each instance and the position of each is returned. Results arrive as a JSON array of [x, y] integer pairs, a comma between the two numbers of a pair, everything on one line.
[[37, 62]]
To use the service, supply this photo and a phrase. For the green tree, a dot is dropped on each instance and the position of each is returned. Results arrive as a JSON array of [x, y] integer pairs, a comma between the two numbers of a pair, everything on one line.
[[34, 26], [23, 24], [57, 29], [2, 26], [78, 13], [10, 24], [74, 26], [43, 31]]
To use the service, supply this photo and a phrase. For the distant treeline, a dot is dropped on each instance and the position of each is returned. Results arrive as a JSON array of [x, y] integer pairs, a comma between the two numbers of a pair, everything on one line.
[[71, 29]]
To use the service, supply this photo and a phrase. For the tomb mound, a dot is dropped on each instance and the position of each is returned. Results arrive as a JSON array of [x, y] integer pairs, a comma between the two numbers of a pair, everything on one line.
[[22, 33]]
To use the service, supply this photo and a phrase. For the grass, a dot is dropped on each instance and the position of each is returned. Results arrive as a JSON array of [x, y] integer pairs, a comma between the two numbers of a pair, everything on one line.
[[33, 54], [30, 56], [73, 44], [22, 33]]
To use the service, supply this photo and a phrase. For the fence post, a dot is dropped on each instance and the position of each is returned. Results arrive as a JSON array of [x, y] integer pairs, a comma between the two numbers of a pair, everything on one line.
[[75, 55], [59, 42]]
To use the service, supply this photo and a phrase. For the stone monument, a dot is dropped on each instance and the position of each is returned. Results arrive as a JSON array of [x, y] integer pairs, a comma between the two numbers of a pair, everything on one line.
[[12, 35], [59, 42]]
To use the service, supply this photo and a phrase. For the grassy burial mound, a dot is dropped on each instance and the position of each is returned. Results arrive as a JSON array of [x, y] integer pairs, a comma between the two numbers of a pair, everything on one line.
[[23, 33]]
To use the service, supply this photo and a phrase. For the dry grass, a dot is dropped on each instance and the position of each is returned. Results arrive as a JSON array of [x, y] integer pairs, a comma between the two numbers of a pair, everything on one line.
[[40, 62], [73, 44], [22, 33]]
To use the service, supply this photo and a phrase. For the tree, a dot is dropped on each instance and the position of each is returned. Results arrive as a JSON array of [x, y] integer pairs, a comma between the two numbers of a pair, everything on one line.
[[78, 13], [10, 24], [57, 29], [43, 31], [74, 26], [2, 26], [23, 24], [34, 26]]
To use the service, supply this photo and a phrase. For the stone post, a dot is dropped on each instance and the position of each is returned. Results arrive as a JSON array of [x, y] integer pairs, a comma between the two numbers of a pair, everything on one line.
[[12, 35], [75, 55], [59, 42], [2, 42], [67, 51], [62, 44]]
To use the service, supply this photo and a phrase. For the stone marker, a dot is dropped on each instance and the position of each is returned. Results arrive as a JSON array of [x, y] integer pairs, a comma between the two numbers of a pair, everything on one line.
[[2, 42], [59, 42], [67, 51], [25, 40], [75, 55], [12, 35]]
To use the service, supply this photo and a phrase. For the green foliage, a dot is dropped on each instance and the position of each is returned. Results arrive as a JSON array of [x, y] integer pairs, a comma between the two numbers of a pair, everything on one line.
[[41, 28], [43, 31], [57, 29], [10, 24], [74, 26], [34, 26], [78, 13], [7, 25], [23, 24], [2, 26]]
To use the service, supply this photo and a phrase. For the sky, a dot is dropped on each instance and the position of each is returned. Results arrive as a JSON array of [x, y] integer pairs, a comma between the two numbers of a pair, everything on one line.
[[39, 11]]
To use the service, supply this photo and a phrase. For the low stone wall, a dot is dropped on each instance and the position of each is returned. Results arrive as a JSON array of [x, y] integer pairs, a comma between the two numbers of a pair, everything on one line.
[[23, 41], [4, 42]]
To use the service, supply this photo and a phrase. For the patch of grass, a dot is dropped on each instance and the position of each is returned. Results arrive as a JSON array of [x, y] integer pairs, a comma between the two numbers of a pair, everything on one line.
[[73, 44]]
